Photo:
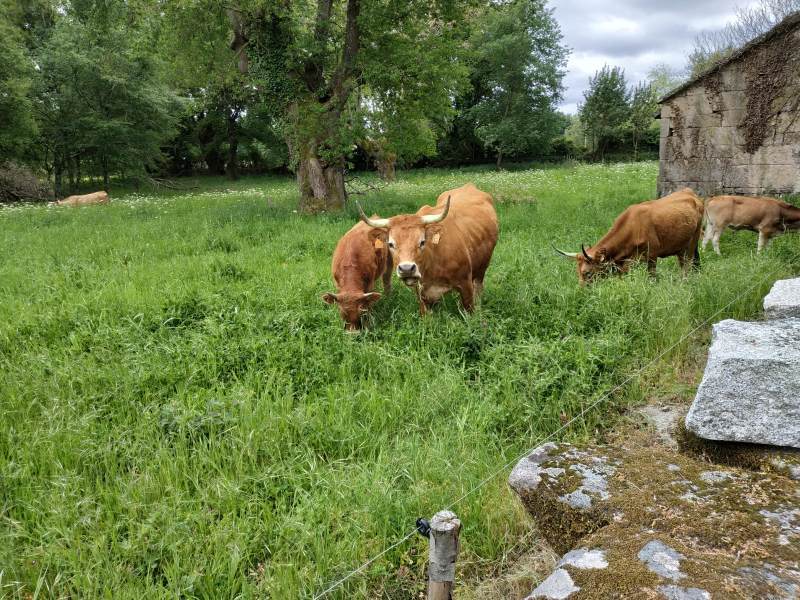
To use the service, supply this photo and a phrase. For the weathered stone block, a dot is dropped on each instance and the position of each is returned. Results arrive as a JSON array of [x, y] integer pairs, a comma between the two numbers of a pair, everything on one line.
[[734, 99], [733, 117], [733, 79], [751, 386], [678, 528], [773, 156], [783, 299], [777, 179], [670, 526]]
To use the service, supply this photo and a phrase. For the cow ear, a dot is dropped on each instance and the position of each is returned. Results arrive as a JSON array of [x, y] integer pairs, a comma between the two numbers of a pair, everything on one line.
[[378, 234], [371, 297], [433, 230], [329, 298]]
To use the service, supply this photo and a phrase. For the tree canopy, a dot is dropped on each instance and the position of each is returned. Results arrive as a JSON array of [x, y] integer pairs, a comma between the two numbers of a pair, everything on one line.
[[519, 64], [111, 89], [605, 108]]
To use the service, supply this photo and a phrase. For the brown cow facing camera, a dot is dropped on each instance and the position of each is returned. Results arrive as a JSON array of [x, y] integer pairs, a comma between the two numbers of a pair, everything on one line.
[[444, 247], [669, 226], [359, 260]]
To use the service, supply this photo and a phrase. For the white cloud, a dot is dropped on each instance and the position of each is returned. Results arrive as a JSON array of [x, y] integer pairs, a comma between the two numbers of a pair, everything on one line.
[[633, 34]]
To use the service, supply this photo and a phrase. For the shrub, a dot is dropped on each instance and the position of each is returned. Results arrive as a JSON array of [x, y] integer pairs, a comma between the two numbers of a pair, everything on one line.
[[20, 184]]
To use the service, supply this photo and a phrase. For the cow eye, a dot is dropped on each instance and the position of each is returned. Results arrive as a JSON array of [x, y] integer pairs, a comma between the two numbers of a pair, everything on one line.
[[391, 244], [421, 243]]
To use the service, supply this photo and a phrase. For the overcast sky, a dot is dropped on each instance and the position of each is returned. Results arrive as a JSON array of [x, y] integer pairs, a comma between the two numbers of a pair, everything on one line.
[[634, 34]]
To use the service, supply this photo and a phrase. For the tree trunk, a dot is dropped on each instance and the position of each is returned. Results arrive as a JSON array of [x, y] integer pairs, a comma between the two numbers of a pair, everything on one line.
[[232, 168], [499, 158], [321, 185], [58, 169], [78, 170], [104, 165], [71, 174]]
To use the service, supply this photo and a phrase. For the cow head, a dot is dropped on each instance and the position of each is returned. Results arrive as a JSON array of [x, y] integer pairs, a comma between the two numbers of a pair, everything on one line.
[[591, 263], [352, 306], [408, 237]]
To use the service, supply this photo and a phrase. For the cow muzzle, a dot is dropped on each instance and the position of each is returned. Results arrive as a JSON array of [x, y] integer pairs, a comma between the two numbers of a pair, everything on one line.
[[408, 273]]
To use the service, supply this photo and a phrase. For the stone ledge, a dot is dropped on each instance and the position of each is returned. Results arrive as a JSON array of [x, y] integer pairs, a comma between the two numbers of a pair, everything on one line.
[[650, 523], [783, 299]]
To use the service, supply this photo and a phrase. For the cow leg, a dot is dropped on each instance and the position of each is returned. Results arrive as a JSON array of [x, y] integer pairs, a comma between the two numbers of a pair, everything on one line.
[[467, 291], [387, 274], [651, 267], [708, 234], [687, 260], [764, 237], [715, 240]]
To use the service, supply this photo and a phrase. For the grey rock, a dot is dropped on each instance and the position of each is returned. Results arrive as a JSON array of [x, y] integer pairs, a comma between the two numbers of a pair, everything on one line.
[[583, 558], [526, 476], [556, 587], [663, 419], [594, 484], [662, 560], [787, 521], [675, 592], [783, 299], [751, 387], [715, 476], [779, 579]]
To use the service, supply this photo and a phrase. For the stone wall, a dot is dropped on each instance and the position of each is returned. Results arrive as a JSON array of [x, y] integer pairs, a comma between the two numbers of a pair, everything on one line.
[[737, 130]]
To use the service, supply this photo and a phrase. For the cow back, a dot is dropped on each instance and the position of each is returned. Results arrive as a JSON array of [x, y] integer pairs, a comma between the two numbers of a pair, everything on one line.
[[471, 224], [658, 228]]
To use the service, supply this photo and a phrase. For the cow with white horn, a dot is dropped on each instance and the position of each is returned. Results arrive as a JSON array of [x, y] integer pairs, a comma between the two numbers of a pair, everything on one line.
[[444, 247], [669, 226]]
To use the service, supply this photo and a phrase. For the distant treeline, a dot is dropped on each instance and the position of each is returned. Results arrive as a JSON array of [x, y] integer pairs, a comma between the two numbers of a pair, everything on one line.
[[106, 89]]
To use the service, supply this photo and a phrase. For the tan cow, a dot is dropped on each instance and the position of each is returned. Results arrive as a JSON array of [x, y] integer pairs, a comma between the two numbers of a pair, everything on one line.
[[85, 200], [669, 226], [766, 216], [443, 248], [359, 260]]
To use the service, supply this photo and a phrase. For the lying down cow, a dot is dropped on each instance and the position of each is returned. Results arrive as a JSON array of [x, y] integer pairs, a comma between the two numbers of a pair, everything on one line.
[[85, 200], [360, 259], [669, 226], [443, 248]]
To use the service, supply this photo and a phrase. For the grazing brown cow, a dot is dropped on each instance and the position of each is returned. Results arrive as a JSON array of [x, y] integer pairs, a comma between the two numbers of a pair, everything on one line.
[[360, 258], [767, 216], [446, 247], [85, 200], [669, 226]]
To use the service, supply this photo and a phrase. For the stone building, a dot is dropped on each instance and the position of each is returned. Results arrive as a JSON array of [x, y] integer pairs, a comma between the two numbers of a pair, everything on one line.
[[735, 128]]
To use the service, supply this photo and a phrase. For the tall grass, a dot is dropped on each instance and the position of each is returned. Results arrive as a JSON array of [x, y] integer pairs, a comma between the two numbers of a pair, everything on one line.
[[181, 415]]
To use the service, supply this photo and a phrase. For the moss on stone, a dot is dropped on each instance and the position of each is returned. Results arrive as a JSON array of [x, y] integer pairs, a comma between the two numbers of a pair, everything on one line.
[[711, 516], [753, 457]]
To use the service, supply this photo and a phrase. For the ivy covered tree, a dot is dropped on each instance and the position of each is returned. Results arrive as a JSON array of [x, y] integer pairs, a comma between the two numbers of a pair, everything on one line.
[[605, 108], [519, 64], [322, 65]]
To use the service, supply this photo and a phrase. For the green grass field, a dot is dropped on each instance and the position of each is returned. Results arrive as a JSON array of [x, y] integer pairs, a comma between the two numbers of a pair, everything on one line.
[[181, 415]]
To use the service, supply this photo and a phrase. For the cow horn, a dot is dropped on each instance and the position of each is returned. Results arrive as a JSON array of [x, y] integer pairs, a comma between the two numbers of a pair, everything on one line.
[[379, 223], [566, 254], [431, 219], [586, 254]]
